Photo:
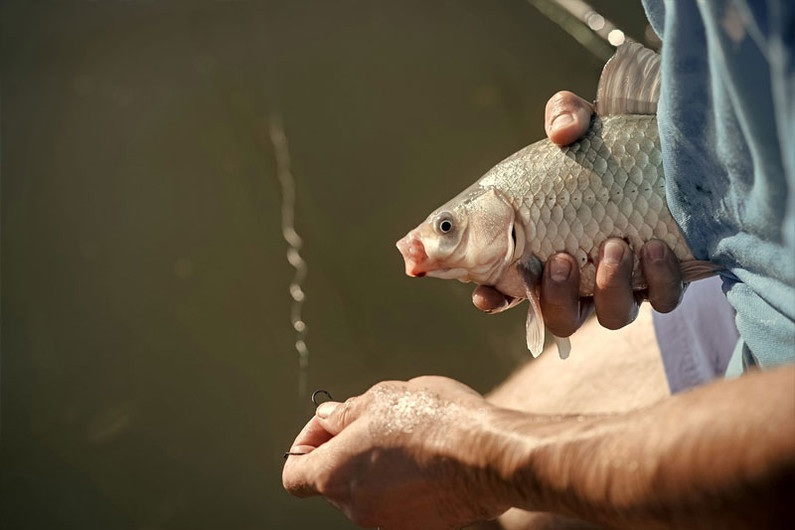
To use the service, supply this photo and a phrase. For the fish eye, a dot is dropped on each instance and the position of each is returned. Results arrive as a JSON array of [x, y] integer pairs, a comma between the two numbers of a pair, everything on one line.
[[444, 223]]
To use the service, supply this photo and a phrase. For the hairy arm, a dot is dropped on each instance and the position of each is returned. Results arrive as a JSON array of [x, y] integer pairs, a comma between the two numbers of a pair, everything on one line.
[[719, 456]]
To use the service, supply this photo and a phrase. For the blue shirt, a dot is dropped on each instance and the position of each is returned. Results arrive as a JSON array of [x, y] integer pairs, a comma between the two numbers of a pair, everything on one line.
[[727, 130]]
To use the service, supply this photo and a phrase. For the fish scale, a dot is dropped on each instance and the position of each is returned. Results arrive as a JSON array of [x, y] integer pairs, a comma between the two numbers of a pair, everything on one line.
[[609, 184]]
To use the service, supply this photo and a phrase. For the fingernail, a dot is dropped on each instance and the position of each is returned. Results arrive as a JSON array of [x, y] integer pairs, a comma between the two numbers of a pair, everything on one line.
[[655, 250], [562, 120], [559, 270], [325, 409], [497, 308], [612, 252]]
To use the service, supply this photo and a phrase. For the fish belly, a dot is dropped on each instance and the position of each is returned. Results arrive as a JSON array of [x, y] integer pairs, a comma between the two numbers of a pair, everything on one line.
[[609, 184]]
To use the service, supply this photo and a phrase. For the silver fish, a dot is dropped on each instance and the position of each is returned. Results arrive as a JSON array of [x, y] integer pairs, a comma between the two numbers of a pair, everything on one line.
[[546, 199]]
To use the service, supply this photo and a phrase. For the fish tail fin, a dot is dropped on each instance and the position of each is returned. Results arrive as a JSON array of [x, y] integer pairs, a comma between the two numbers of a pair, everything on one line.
[[698, 270]]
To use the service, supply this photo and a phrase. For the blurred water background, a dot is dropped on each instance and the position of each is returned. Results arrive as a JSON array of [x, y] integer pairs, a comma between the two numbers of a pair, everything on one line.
[[149, 377]]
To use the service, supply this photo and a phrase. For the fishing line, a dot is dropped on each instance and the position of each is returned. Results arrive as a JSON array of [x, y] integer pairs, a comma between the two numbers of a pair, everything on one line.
[[294, 242], [597, 34]]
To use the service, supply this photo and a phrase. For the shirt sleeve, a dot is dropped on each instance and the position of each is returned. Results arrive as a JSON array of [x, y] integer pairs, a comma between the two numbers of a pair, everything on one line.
[[727, 131]]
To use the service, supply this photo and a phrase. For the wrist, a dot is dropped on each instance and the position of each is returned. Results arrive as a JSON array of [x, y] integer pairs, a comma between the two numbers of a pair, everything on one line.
[[520, 444], [562, 464]]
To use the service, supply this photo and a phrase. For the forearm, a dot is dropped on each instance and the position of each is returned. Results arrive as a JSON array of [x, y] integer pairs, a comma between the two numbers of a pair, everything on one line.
[[722, 455], [614, 371]]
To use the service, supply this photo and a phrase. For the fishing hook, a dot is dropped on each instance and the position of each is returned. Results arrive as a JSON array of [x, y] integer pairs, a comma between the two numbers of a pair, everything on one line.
[[315, 394]]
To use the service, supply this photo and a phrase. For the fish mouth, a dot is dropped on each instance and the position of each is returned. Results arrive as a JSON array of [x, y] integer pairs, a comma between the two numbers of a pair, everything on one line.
[[417, 262]]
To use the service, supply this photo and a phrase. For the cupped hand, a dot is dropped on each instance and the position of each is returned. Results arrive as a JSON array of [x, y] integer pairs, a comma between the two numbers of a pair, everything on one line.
[[567, 118], [395, 457]]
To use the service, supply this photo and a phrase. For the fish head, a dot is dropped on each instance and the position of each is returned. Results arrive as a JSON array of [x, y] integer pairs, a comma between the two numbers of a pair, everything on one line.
[[471, 238]]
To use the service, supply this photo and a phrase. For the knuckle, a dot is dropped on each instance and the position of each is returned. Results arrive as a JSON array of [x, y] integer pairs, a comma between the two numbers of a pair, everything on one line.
[[344, 414], [329, 485], [295, 487], [348, 406], [380, 388], [559, 297], [426, 380], [610, 282], [614, 279], [325, 483], [290, 486]]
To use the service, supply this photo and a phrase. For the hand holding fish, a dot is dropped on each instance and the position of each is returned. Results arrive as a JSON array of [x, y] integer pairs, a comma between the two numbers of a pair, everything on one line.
[[402, 455], [552, 224], [567, 119]]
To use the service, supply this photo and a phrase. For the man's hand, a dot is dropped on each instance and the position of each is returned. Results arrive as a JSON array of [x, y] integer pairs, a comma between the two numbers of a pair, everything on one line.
[[567, 118], [402, 455], [433, 454]]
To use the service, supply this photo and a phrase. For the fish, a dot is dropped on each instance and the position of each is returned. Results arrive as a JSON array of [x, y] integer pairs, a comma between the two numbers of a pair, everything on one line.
[[546, 199]]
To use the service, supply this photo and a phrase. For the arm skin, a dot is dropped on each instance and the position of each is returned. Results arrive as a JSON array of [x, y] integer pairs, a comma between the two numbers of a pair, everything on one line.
[[722, 456], [431, 453], [590, 382], [567, 118]]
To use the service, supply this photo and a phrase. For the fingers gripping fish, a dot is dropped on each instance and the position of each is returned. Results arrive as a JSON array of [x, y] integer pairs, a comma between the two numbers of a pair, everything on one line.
[[546, 199]]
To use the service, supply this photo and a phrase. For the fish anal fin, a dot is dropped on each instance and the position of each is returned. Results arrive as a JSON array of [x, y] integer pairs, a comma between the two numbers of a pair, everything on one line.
[[564, 346], [697, 270], [630, 82]]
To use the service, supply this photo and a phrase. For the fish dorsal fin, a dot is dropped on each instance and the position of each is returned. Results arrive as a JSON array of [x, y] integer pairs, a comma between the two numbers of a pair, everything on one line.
[[630, 82]]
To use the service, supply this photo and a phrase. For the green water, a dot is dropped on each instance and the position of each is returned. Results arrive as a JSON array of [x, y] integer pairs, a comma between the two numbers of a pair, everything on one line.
[[148, 374]]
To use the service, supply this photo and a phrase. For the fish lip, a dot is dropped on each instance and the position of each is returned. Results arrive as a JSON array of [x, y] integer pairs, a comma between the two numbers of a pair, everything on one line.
[[451, 273], [417, 262]]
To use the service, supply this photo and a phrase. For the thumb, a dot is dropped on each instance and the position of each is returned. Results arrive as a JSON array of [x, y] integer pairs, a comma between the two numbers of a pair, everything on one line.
[[567, 118], [335, 417]]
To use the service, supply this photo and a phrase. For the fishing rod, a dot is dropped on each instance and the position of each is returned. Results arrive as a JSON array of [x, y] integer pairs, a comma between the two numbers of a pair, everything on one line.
[[596, 33]]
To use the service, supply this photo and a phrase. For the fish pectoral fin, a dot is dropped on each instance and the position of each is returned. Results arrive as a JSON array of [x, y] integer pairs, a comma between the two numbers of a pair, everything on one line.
[[534, 325], [698, 270], [564, 346]]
